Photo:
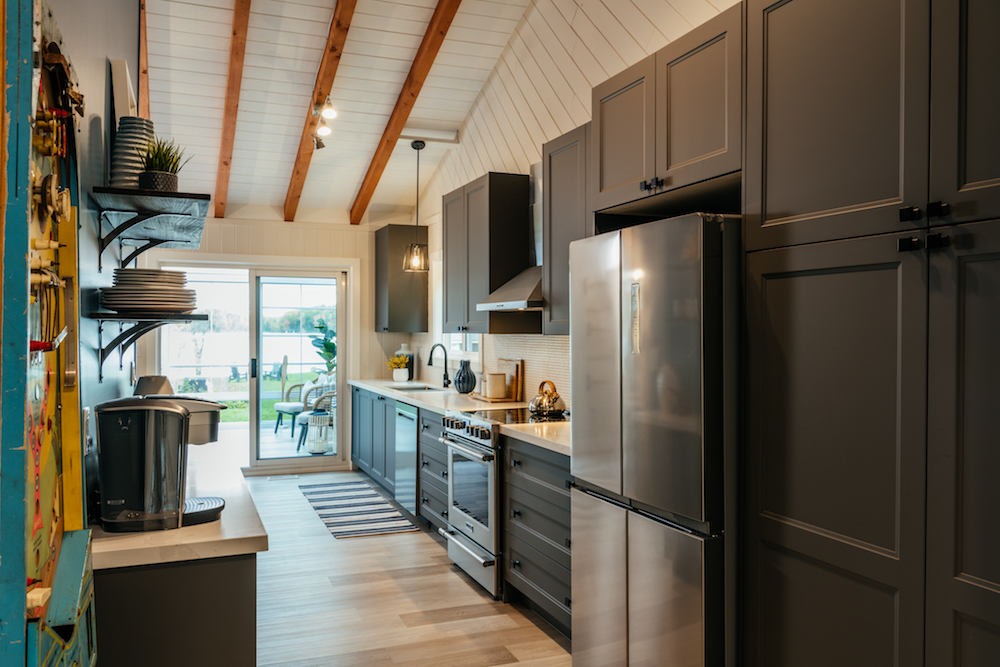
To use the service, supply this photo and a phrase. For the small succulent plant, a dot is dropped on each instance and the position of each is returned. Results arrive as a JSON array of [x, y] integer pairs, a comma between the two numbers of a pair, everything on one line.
[[162, 155]]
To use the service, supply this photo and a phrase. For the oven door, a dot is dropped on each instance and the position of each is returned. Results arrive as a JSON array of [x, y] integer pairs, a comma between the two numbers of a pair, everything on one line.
[[472, 506]]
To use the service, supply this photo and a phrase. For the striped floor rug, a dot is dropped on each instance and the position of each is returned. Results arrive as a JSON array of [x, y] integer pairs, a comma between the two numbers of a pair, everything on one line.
[[354, 509]]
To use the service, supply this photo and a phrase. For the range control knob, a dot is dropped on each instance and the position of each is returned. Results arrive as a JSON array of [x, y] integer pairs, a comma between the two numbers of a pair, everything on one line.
[[485, 433]]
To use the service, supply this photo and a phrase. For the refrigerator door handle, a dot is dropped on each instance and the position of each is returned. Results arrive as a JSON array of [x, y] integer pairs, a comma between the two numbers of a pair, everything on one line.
[[599, 496], [636, 306]]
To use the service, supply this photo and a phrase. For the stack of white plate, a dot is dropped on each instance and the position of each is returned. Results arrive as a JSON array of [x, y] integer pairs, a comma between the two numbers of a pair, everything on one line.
[[134, 133], [149, 290]]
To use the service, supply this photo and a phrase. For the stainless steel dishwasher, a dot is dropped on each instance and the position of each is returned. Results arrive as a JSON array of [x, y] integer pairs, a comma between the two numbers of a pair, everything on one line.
[[406, 456]]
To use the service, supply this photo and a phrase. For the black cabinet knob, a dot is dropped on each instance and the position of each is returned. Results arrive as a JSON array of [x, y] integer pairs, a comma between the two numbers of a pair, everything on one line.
[[643, 186], [424, 463], [424, 500], [515, 564], [569, 603], [514, 463], [908, 244], [444, 473], [444, 512], [515, 513]]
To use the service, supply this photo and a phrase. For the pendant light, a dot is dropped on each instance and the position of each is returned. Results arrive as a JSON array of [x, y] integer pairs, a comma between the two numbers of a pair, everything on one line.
[[415, 257]]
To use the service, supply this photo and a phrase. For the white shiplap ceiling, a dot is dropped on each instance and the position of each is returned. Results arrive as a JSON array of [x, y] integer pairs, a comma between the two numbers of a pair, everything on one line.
[[188, 55]]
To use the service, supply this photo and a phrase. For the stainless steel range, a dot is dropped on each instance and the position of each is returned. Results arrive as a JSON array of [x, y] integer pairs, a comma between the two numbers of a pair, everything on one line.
[[473, 532]]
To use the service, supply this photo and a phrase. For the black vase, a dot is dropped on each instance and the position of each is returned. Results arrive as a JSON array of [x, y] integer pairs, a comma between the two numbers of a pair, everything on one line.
[[465, 379]]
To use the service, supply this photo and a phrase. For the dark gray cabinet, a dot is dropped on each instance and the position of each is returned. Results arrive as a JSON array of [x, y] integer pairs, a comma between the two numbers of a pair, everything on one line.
[[965, 94], [836, 453], [487, 241], [837, 119], [401, 303], [373, 436], [963, 497], [672, 119], [432, 465], [566, 218], [537, 545]]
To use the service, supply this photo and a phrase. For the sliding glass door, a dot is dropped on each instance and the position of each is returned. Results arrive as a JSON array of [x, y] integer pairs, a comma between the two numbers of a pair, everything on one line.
[[294, 381]]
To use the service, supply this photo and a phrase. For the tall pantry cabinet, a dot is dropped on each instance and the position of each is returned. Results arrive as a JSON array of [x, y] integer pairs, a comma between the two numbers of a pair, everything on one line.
[[871, 326]]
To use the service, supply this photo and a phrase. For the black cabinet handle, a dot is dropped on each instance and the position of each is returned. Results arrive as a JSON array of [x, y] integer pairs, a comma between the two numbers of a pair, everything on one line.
[[424, 463], [938, 209], [909, 214], [444, 512], [424, 500], [515, 513], [643, 186], [569, 543], [656, 183], [444, 473], [515, 564], [569, 603], [514, 463], [937, 241], [908, 244], [423, 427]]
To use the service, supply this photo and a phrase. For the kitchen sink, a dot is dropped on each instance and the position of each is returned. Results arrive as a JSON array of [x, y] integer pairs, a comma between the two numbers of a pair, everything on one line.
[[414, 386]]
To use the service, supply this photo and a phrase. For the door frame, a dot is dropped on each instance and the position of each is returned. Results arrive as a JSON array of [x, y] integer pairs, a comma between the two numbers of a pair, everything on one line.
[[149, 347], [299, 463]]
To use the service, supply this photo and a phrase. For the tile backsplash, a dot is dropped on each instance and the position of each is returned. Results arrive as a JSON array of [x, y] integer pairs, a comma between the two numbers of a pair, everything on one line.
[[545, 358]]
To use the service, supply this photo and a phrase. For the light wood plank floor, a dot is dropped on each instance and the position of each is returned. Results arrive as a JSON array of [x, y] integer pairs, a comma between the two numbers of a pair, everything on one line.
[[382, 600]]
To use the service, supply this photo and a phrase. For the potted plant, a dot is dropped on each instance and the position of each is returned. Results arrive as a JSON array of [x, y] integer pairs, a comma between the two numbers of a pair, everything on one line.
[[325, 343], [161, 160], [398, 365]]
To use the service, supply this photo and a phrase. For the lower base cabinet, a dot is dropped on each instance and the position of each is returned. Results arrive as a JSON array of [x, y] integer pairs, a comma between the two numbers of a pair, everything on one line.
[[432, 466], [373, 436], [536, 539]]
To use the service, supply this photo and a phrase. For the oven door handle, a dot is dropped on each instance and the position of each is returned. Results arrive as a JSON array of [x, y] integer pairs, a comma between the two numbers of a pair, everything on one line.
[[471, 453], [482, 561]]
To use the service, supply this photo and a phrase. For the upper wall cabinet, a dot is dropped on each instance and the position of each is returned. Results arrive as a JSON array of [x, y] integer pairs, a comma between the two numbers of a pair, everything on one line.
[[965, 95], [565, 219], [487, 241], [672, 119], [837, 119], [400, 296]]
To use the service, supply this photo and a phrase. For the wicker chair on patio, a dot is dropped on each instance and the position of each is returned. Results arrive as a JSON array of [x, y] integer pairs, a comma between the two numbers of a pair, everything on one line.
[[326, 402]]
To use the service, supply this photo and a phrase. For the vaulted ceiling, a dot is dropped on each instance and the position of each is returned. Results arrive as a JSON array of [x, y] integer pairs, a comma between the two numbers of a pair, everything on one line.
[[189, 52]]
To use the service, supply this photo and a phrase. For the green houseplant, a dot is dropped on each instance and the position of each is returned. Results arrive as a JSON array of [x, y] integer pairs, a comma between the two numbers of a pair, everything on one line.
[[325, 343], [161, 160]]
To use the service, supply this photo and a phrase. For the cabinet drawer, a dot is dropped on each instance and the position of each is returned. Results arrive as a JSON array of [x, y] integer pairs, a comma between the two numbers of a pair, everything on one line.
[[431, 422], [434, 483], [432, 505], [534, 462], [539, 578], [431, 462], [539, 524], [431, 444]]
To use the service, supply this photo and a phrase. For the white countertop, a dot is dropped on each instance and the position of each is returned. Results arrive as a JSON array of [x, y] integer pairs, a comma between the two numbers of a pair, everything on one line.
[[436, 400], [211, 472], [553, 436]]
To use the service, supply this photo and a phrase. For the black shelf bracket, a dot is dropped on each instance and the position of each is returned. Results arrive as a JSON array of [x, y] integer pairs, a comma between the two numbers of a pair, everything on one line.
[[143, 324]]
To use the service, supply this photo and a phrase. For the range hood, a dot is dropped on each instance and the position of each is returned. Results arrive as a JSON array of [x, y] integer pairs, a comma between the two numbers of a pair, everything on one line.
[[522, 292]]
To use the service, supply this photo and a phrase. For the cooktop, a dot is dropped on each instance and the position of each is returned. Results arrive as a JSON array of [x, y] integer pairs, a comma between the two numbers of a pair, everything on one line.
[[516, 416]]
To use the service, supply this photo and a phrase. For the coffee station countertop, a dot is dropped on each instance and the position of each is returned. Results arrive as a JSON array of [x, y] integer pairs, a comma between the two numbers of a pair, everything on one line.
[[238, 531], [554, 436], [435, 398]]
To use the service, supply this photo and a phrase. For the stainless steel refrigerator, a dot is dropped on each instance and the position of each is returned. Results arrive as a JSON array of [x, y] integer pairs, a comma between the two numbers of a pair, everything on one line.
[[654, 344]]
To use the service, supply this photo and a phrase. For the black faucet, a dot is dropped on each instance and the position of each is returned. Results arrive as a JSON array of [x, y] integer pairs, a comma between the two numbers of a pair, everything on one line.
[[430, 362]]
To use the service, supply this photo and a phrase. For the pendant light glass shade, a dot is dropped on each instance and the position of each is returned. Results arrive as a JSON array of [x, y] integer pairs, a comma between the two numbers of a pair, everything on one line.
[[415, 257]]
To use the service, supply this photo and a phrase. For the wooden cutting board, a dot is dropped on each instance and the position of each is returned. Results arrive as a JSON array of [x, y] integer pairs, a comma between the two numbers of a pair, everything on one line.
[[514, 370]]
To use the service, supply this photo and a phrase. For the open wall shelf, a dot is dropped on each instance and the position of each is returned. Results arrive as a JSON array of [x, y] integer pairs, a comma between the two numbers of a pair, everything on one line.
[[148, 219], [142, 323]]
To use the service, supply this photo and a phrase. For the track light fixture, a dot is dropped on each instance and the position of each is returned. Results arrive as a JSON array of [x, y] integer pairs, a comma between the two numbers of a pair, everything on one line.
[[325, 110], [318, 143]]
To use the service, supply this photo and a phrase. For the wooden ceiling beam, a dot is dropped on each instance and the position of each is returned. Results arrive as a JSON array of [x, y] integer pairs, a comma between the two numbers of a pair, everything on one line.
[[234, 82], [339, 27], [143, 64], [444, 14]]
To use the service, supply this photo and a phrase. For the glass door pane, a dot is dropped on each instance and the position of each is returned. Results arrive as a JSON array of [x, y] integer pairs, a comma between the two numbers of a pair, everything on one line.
[[297, 381], [210, 359]]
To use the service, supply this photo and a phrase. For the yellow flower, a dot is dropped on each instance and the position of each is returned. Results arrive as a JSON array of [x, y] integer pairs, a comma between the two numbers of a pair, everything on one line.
[[399, 361]]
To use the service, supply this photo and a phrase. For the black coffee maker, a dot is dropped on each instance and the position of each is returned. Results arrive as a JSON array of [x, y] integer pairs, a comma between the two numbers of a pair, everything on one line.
[[142, 461]]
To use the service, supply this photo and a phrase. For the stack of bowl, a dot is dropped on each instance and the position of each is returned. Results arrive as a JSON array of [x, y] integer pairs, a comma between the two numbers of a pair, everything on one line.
[[134, 133]]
